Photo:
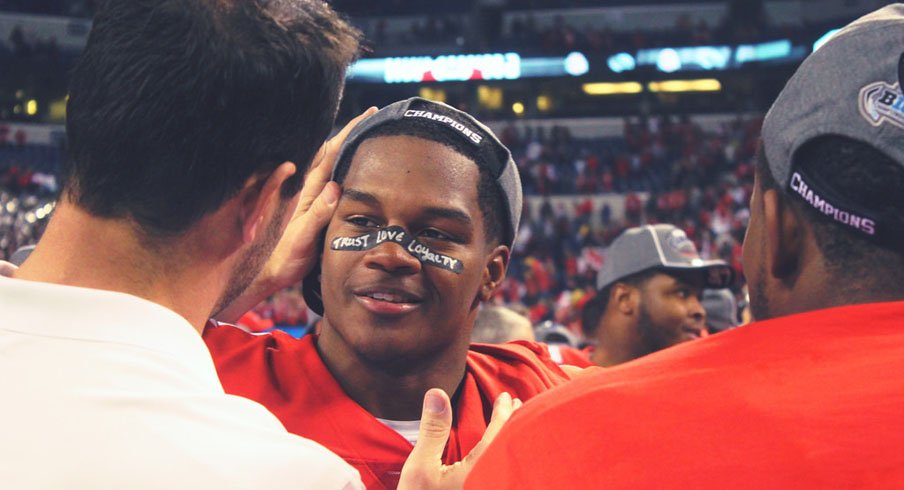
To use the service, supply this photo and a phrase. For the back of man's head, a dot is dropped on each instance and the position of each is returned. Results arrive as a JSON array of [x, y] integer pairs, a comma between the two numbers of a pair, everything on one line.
[[868, 179], [832, 148], [174, 104]]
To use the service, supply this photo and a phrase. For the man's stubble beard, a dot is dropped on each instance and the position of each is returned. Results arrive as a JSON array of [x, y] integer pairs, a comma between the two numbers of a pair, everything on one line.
[[252, 261], [652, 339], [759, 303]]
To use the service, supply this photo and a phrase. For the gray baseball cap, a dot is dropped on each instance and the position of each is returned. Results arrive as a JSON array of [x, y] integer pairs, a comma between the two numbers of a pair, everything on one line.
[[721, 309], [491, 152], [851, 86], [22, 253], [663, 247]]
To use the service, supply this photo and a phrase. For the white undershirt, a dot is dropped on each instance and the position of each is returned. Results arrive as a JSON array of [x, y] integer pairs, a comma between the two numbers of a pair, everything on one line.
[[406, 428]]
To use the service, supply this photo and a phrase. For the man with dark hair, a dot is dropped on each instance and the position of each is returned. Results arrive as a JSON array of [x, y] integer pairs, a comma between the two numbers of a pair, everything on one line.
[[190, 124], [649, 292], [810, 395], [430, 206]]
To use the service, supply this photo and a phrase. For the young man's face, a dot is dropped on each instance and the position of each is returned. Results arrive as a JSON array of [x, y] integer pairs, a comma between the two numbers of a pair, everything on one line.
[[383, 304], [670, 312]]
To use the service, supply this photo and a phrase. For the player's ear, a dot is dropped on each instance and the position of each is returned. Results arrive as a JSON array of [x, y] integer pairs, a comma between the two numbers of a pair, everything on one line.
[[494, 271], [260, 198], [784, 236], [625, 297]]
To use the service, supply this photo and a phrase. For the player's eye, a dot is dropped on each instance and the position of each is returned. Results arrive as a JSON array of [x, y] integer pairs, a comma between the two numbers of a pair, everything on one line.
[[362, 222], [434, 234]]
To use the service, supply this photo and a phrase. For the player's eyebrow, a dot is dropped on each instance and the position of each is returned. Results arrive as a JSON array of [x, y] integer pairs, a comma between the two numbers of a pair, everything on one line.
[[360, 196], [449, 213]]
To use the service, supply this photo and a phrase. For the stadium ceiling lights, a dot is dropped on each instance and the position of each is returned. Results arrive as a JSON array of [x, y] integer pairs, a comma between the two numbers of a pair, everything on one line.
[[607, 88], [671, 60], [459, 68], [669, 86], [678, 86]]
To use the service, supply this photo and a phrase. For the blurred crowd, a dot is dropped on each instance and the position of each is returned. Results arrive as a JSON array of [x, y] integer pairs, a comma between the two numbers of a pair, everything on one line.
[[525, 34], [700, 181], [24, 211], [66, 8], [472, 25], [434, 29], [32, 67], [400, 7]]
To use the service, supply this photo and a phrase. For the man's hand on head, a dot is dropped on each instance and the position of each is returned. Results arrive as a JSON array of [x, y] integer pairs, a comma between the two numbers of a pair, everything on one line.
[[297, 251], [424, 469]]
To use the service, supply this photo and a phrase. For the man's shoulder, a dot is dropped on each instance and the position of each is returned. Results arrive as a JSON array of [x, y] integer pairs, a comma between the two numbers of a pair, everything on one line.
[[272, 368], [518, 351], [226, 339], [689, 398], [567, 355], [770, 354], [267, 447], [153, 414], [518, 362]]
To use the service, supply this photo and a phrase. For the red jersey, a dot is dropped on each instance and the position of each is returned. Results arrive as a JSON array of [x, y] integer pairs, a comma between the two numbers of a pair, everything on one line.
[[287, 376], [807, 401]]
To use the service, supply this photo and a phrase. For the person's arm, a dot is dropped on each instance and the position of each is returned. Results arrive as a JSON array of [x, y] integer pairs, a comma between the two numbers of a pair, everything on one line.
[[424, 468], [296, 253]]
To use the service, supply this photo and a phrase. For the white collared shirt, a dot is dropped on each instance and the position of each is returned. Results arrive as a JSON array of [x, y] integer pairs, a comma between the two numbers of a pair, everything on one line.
[[106, 390]]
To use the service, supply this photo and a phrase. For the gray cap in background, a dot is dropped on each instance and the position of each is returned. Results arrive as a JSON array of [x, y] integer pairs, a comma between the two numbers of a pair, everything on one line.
[[721, 309], [663, 247], [850, 86], [22, 253], [553, 333]]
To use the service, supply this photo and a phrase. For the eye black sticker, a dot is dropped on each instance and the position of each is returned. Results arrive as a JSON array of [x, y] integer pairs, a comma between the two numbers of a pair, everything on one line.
[[397, 234]]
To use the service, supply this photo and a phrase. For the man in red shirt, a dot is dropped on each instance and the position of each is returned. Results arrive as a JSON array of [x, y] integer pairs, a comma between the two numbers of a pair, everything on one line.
[[421, 236], [811, 395]]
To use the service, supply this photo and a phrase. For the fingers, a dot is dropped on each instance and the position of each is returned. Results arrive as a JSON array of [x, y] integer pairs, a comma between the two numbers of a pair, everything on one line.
[[436, 423], [322, 166], [343, 133], [318, 215], [424, 468], [503, 409], [323, 163]]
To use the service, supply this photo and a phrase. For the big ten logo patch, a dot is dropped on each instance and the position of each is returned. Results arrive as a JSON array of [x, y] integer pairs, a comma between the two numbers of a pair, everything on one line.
[[881, 102], [681, 244]]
